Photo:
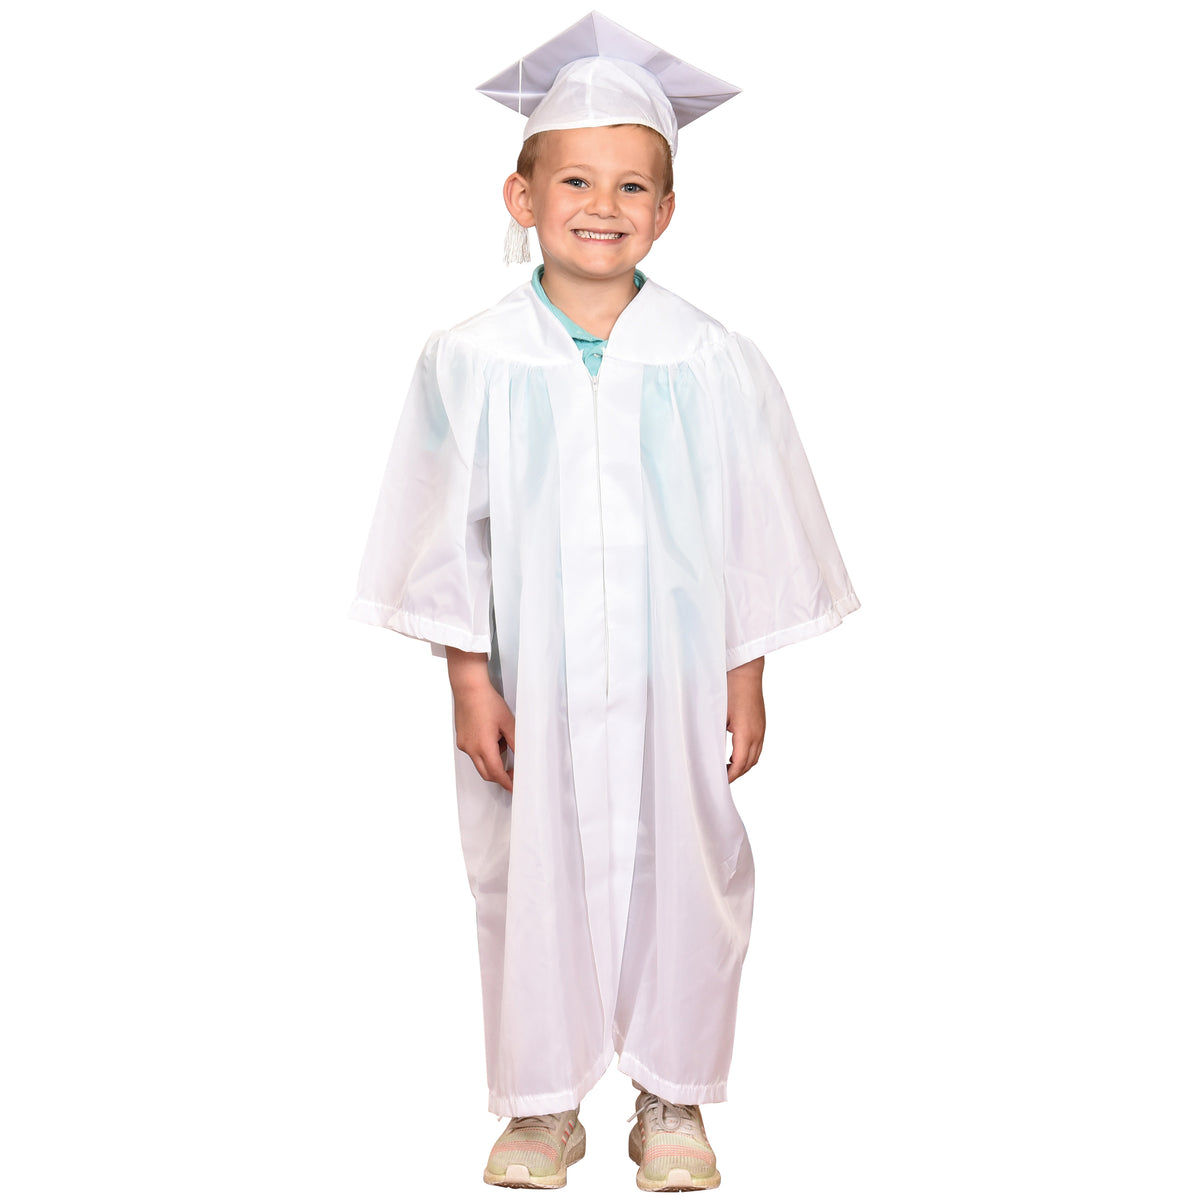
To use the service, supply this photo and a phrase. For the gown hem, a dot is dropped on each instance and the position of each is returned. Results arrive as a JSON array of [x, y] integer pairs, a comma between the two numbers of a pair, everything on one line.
[[550, 1102], [676, 1093]]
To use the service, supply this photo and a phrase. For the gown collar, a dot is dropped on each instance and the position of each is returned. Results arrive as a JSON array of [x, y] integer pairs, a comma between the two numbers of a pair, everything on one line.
[[577, 332]]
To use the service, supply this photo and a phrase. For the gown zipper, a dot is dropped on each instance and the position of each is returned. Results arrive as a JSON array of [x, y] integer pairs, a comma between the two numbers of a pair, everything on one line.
[[600, 501]]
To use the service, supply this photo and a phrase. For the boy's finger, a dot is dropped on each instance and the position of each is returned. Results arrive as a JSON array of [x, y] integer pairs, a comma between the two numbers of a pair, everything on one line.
[[737, 761], [490, 767], [753, 753], [512, 758]]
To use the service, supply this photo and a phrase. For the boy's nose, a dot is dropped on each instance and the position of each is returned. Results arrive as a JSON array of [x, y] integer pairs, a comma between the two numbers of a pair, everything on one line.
[[604, 203]]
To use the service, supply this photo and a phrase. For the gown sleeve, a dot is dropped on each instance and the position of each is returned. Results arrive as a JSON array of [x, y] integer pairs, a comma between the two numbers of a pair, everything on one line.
[[784, 575], [426, 570]]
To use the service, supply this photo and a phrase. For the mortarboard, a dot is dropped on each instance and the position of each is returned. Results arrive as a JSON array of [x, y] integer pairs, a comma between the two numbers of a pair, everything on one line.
[[599, 73]]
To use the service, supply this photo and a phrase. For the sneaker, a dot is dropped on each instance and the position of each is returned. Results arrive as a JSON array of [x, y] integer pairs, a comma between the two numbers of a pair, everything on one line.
[[534, 1152], [670, 1147]]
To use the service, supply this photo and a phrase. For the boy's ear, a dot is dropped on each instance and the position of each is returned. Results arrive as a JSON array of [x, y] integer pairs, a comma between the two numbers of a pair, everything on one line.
[[663, 214], [518, 199]]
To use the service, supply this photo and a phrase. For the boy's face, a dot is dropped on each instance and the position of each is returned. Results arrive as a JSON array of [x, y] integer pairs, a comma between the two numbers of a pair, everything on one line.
[[596, 199]]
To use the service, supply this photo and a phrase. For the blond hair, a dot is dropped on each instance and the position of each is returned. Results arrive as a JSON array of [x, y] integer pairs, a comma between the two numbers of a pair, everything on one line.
[[531, 148]]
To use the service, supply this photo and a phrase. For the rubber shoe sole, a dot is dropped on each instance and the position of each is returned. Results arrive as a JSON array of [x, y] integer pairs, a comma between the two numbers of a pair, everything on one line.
[[517, 1174], [679, 1179]]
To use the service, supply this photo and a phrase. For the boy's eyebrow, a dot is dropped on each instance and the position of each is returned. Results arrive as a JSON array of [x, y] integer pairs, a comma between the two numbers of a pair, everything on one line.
[[589, 167]]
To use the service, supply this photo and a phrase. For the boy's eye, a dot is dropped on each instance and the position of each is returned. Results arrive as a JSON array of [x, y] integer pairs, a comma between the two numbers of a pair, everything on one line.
[[635, 187], [575, 180]]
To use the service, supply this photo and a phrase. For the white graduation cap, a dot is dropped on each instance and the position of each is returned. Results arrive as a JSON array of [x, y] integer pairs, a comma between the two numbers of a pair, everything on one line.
[[598, 73]]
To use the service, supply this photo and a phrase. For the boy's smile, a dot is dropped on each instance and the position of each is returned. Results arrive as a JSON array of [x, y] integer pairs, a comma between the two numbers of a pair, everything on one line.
[[596, 200]]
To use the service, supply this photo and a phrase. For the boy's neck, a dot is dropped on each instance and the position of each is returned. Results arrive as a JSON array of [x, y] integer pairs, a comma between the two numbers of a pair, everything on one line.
[[593, 304]]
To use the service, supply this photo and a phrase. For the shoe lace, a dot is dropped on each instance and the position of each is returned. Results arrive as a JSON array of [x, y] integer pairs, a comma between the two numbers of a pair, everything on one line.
[[662, 1116]]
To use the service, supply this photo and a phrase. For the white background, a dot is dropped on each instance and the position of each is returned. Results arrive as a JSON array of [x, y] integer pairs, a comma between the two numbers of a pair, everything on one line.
[[238, 941]]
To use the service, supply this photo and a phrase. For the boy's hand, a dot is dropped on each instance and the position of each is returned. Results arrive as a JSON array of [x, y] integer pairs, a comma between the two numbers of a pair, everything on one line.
[[747, 715], [483, 722]]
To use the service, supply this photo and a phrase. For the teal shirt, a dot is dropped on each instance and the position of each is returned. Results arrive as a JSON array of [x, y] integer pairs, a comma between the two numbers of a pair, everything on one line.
[[592, 348]]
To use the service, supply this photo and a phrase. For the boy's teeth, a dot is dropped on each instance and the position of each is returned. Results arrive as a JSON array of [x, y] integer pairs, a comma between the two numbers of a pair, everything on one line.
[[586, 233]]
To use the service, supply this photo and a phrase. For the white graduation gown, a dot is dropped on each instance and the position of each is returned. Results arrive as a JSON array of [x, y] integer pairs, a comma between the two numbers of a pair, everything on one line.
[[616, 546]]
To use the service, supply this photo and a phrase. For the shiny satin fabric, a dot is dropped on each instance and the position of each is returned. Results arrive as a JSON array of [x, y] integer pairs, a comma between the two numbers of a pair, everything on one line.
[[616, 549]]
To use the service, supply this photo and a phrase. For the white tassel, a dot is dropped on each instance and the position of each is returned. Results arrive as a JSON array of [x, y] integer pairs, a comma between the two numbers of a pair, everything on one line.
[[516, 244]]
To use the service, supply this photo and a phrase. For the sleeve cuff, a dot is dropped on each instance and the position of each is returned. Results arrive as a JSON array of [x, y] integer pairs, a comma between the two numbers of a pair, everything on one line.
[[735, 656], [415, 625]]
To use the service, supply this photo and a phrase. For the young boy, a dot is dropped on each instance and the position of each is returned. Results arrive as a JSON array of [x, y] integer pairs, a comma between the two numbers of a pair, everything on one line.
[[598, 509]]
